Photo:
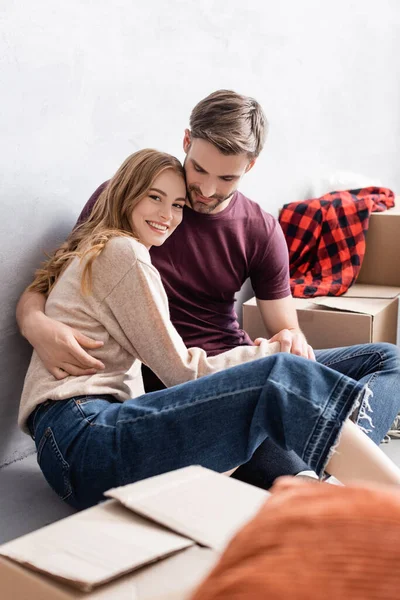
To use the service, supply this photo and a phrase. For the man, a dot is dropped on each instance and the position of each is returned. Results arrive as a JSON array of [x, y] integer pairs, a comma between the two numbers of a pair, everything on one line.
[[224, 239]]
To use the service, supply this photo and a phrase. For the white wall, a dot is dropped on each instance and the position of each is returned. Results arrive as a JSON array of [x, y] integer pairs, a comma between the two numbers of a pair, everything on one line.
[[85, 83]]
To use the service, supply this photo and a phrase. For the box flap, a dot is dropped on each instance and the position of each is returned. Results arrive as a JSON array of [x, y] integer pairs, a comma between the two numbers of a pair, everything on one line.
[[364, 290], [364, 306], [358, 290], [300, 303], [251, 302], [196, 502], [303, 303], [94, 546], [173, 578]]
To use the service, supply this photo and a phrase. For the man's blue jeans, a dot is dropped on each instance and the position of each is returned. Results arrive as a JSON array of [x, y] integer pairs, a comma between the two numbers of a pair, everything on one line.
[[89, 444], [376, 365]]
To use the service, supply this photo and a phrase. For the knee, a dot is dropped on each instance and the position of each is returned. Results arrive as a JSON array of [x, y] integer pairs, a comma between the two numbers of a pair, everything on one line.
[[391, 350], [285, 359], [389, 353]]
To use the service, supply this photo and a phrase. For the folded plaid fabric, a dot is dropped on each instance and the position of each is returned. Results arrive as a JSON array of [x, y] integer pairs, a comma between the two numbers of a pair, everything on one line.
[[326, 239]]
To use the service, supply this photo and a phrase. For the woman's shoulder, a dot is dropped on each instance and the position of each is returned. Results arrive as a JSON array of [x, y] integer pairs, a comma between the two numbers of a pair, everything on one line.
[[121, 261], [126, 249], [120, 255]]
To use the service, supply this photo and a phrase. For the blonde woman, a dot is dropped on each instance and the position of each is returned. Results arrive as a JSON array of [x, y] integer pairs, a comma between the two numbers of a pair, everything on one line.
[[99, 430]]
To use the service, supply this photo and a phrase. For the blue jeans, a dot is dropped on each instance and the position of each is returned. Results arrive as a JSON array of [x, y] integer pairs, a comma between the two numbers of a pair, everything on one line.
[[89, 444], [376, 365]]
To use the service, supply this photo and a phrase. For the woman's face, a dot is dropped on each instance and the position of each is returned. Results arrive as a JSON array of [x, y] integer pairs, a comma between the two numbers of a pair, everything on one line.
[[156, 216]]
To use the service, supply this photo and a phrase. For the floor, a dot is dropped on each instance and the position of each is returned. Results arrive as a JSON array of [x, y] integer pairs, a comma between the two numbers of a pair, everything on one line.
[[27, 503]]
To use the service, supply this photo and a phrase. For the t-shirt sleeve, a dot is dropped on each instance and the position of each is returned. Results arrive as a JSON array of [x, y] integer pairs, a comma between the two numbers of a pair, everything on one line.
[[139, 303], [87, 209], [269, 267]]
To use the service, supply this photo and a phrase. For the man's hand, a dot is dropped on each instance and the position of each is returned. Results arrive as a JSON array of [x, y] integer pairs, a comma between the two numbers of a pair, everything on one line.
[[280, 315], [61, 348], [293, 342]]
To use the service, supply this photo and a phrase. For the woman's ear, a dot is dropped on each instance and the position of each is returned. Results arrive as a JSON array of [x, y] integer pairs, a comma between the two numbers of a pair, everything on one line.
[[187, 139]]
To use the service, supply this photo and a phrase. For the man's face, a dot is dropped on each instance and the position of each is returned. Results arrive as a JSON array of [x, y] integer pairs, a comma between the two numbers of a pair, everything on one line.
[[211, 177]]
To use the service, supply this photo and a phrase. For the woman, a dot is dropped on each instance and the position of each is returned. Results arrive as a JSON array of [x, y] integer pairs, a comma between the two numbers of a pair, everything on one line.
[[99, 431]]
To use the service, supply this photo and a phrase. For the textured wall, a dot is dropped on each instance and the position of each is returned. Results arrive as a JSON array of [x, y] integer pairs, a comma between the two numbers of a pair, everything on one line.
[[85, 83]]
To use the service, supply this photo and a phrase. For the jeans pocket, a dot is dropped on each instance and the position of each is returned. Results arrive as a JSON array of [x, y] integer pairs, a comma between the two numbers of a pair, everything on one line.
[[53, 465], [91, 407]]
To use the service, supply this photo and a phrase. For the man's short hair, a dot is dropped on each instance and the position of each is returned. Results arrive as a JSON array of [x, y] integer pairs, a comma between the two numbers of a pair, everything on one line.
[[235, 124]]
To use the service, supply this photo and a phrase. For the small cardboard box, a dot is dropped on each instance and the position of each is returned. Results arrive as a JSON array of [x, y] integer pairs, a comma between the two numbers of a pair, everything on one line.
[[156, 539], [381, 264], [366, 313]]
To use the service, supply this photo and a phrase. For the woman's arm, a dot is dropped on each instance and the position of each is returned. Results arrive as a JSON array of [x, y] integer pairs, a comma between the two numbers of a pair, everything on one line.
[[139, 303]]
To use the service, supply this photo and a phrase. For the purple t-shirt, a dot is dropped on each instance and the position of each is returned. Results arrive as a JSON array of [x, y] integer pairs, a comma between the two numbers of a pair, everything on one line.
[[205, 263]]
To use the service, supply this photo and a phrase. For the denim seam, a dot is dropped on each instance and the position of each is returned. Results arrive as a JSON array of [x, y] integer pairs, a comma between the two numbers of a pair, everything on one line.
[[328, 422], [42, 442], [298, 395], [48, 437], [357, 402], [86, 418], [187, 405], [360, 353], [318, 432], [78, 406], [39, 409]]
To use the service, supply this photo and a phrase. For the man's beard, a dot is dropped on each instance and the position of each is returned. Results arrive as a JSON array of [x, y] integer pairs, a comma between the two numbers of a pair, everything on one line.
[[198, 206]]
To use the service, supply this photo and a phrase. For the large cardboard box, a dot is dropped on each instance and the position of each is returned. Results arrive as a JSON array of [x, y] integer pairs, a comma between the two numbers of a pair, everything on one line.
[[381, 264], [366, 313], [156, 539]]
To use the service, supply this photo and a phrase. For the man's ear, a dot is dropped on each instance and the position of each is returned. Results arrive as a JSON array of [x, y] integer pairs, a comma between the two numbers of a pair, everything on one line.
[[250, 165], [187, 140]]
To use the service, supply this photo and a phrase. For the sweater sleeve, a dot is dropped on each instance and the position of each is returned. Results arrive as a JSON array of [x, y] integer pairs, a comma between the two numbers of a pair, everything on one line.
[[140, 305]]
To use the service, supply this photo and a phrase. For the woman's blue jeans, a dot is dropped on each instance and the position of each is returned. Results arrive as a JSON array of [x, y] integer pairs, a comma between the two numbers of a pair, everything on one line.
[[89, 444], [375, 365]]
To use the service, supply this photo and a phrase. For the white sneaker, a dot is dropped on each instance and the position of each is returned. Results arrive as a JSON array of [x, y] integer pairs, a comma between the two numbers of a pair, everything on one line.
[[312, 476], [308, 476], [333, 481]]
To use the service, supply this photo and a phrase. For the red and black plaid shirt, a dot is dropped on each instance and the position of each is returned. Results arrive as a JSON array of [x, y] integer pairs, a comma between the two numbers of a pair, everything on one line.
[[326, 239]]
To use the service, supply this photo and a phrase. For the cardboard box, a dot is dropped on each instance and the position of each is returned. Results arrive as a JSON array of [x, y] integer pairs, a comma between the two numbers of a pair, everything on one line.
[[156, 539], [381, 264], [366, 313]]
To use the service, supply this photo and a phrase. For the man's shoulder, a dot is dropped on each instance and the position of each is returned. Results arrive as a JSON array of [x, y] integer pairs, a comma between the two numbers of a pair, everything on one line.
[[96, 194], [101, 187], [252, 212], [87, 209], [251, 207]]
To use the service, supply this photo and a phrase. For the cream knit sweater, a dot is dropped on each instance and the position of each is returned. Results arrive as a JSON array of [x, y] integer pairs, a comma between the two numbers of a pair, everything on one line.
[[128, 310]]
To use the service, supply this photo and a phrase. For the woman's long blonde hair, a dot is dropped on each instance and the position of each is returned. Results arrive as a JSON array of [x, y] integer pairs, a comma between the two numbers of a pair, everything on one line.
[[110, 217]]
